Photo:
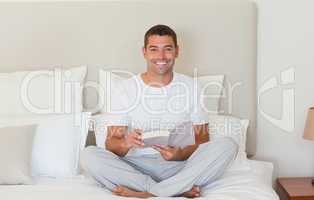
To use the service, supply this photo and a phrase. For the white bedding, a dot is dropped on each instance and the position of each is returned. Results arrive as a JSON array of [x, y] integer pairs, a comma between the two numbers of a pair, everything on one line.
[[234, 185]]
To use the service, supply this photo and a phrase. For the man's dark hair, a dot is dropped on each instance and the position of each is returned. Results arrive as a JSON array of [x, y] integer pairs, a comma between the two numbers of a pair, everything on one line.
[[160, 30]]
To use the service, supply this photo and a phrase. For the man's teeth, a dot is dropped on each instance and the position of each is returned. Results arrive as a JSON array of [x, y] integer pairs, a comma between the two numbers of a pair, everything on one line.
[[161, 63]]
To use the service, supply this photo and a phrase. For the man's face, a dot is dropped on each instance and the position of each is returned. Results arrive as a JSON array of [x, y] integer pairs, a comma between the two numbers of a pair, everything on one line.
[[160, 54]]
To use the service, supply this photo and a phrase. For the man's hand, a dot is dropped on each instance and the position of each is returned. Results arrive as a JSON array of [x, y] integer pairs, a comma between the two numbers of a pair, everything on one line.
[[134, 139], [169, 153]]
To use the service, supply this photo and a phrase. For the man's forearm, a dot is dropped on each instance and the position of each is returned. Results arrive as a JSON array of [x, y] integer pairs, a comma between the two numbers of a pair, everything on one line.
[[186, 152], [201, 136], [115, 141], [117, 146]]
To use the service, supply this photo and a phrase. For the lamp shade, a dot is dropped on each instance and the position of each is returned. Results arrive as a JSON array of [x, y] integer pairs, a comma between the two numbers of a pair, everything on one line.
[[309, 125]]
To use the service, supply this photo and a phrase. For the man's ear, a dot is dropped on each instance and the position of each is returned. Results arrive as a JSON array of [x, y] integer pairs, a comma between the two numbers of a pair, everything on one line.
[[144, 51], [177, 51]]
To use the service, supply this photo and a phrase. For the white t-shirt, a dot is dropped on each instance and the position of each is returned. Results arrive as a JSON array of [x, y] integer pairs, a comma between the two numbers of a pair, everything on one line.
[[140, 106]]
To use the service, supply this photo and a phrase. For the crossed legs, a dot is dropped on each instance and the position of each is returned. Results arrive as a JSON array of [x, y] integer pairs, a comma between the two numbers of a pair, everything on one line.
[[147, 177]]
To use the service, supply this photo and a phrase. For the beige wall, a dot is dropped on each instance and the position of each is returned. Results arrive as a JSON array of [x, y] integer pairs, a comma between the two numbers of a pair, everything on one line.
[[216, 37], [286, 41]]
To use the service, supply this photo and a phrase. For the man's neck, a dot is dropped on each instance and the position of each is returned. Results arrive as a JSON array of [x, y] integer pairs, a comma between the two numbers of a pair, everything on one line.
[[157, 80]]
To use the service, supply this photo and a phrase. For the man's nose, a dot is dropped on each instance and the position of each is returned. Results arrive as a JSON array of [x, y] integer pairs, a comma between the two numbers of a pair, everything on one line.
[[161, 54]]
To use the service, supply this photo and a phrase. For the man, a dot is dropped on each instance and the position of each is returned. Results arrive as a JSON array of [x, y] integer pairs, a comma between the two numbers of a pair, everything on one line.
[[161, 98]]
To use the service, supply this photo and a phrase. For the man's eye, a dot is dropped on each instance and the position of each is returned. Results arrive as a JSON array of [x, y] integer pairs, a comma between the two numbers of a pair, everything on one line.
[[169, 49], [153, 49]]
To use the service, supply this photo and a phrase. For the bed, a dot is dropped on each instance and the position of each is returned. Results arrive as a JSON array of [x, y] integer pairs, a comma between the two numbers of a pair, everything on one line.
[[248, 184], [216, 37]]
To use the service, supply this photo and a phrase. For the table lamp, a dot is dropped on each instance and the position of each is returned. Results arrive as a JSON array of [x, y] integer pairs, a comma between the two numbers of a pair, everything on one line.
[[309, 128]]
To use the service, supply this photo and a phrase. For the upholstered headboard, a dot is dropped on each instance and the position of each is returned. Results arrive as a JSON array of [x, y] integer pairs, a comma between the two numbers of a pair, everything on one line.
[[215, 36]]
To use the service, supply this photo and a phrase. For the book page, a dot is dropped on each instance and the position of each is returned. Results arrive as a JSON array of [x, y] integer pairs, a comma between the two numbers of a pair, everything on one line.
[[181, 136], [156, 137]]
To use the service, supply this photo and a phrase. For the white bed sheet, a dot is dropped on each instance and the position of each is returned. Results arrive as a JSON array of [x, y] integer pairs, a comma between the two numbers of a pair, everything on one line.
[[253, 184]]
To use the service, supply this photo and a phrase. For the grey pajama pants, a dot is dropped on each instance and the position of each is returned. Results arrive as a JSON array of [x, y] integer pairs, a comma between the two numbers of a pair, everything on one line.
[[153, 174]]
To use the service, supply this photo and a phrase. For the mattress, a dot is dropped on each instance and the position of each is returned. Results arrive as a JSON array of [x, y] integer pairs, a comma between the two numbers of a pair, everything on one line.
[[254, 183]]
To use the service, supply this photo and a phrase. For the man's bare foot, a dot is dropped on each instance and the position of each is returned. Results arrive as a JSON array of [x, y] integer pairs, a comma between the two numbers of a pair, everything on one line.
[[193, 193], [126, 192]]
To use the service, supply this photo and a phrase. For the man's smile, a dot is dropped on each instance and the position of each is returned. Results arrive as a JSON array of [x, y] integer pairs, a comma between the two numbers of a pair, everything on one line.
[[161, 63]]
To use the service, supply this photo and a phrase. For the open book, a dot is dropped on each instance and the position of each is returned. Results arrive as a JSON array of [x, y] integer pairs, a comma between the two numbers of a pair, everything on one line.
[[181, 136]]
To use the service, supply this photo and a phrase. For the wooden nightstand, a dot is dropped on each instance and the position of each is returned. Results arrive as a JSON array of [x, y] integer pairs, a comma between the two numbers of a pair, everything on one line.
[[295, 188]]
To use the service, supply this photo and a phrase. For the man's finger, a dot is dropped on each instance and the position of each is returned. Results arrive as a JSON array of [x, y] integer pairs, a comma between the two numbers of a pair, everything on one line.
[[165, 148], [135, 140], [161, 151], [138, 131], [140, 143], [136, 137], [160, 147], [157, 148]]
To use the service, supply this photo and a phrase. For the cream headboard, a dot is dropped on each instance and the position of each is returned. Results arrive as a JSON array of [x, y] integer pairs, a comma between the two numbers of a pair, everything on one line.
[[215, 36]]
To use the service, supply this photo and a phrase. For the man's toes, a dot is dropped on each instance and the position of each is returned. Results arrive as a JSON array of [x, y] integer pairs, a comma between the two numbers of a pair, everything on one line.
[[190, 194], [196, 189], [195, 194], [118, 190]]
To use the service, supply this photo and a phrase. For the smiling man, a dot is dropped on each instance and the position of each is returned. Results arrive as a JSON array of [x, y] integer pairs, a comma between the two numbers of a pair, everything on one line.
[[158, 99]]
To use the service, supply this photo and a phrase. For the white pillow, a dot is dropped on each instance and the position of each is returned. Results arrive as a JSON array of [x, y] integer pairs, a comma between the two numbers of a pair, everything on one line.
[[211, 89], [15, 154], [42, 92], [109, 83], [57, 142], [235, 128], [57, 146], [229, 126]]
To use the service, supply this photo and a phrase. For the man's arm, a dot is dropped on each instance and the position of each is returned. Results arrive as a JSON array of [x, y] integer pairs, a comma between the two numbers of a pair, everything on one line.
[[119, 142], [201, 136], [115, 141]]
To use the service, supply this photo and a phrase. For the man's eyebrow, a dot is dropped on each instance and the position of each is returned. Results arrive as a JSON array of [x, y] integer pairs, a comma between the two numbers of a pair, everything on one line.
[[152, 46], [160, 46]]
